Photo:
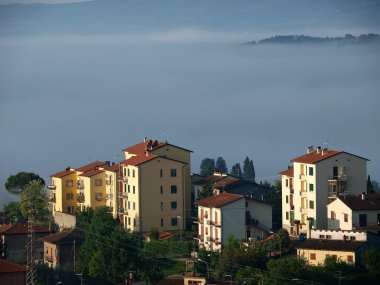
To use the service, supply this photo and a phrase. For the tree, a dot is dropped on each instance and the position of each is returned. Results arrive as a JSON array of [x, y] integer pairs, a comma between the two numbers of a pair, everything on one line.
[[206, 191], [13, 211], [154, 233], [207, 166], [249, 170], [153, 274], [221, 165], [15, 183], [34, 203], [371, 259], [236, 170], [370, 188]]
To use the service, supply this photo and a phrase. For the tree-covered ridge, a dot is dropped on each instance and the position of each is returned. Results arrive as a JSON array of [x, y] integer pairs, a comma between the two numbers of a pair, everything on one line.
[[302, 39]]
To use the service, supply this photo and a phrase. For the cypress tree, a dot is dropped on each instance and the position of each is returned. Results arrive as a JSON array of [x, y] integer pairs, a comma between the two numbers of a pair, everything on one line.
[[236, 170], [207, 166], [221, 165], [249, 170]]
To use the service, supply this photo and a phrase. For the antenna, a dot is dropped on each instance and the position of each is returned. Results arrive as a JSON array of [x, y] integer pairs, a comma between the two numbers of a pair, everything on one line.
[[31, 277]]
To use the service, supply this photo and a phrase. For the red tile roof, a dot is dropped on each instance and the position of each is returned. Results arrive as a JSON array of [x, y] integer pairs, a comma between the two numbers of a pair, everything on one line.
[[314, 157], [91, 172], [141, 147], [9, 229], [333, 245], [91, 166], [356, 203], [7, 266], [66, 236], [113, 168], [224, 182], [62, 174], [220, 200], [289, 172], [139, 159]]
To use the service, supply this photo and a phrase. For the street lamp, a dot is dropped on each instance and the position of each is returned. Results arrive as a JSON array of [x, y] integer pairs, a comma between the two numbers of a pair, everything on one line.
[[208, 268], [180, 227]]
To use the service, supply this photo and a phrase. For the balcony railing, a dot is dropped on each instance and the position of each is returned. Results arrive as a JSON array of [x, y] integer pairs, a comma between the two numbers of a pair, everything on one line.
[[98, 197], [123, 179], [80, 185], [215, 223], [292, 207], [108, 182], [81, 198], [109, 196], [337, 186], [110, 209], [52, 187], [52, 199], [123, 195], [120, 210], [291, 190]]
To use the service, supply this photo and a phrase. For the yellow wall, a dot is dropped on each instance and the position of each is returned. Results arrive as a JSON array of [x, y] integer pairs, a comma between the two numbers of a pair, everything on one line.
[[61, 190], [321, 255], [90, 190]]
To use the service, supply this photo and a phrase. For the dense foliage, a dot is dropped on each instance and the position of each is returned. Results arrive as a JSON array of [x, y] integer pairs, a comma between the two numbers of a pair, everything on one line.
[[221, 165], [236, 170], [207, 166], [15, 183], [13, 211], [206, 191], [248, 170]]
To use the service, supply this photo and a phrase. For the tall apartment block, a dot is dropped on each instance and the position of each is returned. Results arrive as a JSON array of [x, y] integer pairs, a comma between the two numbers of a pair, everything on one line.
[[313, 180], [151, 187]]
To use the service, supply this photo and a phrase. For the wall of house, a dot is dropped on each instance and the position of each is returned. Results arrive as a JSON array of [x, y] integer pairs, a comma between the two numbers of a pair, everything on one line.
[[112, 188], [339, 208], [320, 255], [50, 254], [132, 204], [13, 278], [339, 234], [151, 198], [16, 247], [261, 212], [64, 220], [233, 220]]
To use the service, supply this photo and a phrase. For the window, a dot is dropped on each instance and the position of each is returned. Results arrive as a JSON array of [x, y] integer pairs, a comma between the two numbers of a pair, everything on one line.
[[332, 215], [174, 221], [311, 204], [173, 205], [206, 231], [328, 236], [161, 173], [128, 172], [287, 182], [162, 222], [125, 188], [173, 189], [98, 182], [69, 196], [287, 199], [70, 209], [134, 222], [321, 236], [162, 189], [173, 172], [129, 188], [134, 206], [311, 171], [311, 187], [312, 256], [287, 215], [162, 206], [69, 183], [352, 238], [345, 216], [129, 205], [133, 173], [350, 258], [134, 189], [129, 221]]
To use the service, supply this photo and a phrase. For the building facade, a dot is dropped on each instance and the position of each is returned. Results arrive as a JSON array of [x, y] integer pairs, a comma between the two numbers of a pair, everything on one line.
[[228, 214], [315, 179]]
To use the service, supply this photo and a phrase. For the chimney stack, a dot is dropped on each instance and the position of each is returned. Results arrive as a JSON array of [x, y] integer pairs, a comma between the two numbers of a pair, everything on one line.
[[325, 151], [310, 149], [319, 149]]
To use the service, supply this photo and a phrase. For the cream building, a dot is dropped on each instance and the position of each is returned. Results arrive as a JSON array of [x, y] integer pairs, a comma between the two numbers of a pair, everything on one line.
[[360, 212], [228, 214], [316, 178]]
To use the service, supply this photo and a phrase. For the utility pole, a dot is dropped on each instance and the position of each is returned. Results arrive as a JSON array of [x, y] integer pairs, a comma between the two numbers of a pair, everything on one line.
[[74, 255], [31, 278]]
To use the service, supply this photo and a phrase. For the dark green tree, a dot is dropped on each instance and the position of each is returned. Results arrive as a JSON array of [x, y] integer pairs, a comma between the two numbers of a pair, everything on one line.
[[371, 259], [15, 183], [236, 170], [84, 218], [248, 170], [13, 211], [153, 274], [206, 191], [207, 166], [154, 233], [34, 203], [221, 165], [370, 188]]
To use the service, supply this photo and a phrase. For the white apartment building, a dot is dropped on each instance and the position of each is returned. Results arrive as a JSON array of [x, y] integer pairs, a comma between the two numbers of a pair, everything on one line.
[[355, 212], [314, 179], [228, 214]]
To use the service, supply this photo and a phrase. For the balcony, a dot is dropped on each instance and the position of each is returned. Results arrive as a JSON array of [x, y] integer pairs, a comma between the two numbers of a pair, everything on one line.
[[80, 185], [81, 198], [123, 179], [120, 211], [291, 190], [109, 196], [207, 222], [123, 195], [110, 209], [109, 182], [337, 186], [52, 187], [302, 177], [215, 223], [52, 199], [304, 194], [98, 197], [304, 211], [291, 207]]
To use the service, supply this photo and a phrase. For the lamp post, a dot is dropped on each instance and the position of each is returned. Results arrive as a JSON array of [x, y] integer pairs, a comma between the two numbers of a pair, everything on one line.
[[208, 268], [180, 227]]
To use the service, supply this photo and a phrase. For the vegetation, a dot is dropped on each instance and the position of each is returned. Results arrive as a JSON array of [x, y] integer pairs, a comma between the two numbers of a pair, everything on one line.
[[167, 249], [274, 196], [206, 191], [236, 170], [15, 183], [207, 166], [248, 170], [13, 211], [221, 165]]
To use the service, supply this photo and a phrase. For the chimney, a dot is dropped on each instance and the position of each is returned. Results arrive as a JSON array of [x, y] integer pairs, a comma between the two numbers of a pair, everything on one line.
[[108, 162], [144, 139], [310, 149], [67, 168], [363, 196], [319, 149], [325, 151]]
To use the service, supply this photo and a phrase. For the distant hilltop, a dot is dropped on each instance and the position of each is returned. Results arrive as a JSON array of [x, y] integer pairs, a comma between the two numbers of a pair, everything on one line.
[[301, 39]]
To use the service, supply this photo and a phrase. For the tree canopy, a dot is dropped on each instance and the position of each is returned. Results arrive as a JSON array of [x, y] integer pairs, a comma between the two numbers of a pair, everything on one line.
[[236, 170], [14, 213], [221, 165], [207, 166], [248, 170], [15, 183], [206, 191]]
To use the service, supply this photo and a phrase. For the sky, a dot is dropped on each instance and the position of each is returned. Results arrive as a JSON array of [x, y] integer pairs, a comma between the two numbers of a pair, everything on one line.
[[3, 2], [69, 100]]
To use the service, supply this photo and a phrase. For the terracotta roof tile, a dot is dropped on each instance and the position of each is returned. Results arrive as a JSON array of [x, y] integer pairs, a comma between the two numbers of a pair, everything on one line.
[[91, 172], [314, 157], [74, 234], [333, 245], [139, 159], [140, 148], [62, 174], [113, 168], [91, 166], [356, 203], [288, 172], [220, 200], [7, 266], [225, 182], [21, 229]]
